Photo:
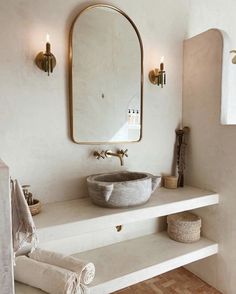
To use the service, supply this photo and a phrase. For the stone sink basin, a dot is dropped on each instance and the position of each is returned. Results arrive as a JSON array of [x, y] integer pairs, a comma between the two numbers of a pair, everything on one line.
[[122, 189]]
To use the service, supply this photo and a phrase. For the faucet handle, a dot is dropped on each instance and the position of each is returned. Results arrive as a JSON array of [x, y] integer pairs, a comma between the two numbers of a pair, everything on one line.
[[99, 155], [124, 152]]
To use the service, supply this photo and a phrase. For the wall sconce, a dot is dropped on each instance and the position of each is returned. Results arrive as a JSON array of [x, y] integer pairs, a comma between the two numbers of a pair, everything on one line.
[[46, 61], [234, 58], [158, 76]]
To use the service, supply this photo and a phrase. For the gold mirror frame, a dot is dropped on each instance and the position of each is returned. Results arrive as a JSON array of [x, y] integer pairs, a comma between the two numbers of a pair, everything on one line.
[[71, 82]]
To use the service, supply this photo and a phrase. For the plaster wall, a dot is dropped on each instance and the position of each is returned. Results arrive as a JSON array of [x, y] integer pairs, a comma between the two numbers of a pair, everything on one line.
[[207, 14], [211, 162], [34, 114]]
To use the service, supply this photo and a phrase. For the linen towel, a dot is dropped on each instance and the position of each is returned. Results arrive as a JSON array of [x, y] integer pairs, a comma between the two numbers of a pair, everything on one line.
[[23, 228], [49, 278], [85, 271]]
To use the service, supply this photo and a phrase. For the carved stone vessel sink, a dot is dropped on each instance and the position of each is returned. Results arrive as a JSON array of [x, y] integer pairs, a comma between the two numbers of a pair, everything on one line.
[[121, 189]]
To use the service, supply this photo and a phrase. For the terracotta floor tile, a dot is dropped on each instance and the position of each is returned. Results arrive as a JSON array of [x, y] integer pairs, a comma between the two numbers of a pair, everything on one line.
[[169, 283], [154, 287], [179, 281]]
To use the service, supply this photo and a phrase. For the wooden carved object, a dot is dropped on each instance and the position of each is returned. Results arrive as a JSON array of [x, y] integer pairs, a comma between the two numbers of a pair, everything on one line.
[[181, 137]]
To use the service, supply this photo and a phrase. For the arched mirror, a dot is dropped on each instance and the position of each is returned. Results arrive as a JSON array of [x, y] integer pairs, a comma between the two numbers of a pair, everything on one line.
[[106, 77]]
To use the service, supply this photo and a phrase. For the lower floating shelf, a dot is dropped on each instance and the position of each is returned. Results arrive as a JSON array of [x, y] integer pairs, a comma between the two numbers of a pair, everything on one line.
[[126, 263]]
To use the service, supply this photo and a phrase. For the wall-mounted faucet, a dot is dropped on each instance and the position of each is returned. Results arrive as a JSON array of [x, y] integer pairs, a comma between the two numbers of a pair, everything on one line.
[[108, 153], [119, 153]]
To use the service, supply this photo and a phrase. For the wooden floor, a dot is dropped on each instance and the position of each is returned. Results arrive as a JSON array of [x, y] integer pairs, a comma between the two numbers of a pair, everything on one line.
[[179, 281]]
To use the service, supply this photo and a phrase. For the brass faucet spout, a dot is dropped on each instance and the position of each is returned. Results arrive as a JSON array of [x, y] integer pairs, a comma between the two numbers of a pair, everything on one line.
[[108, 153], [121, 159], [120, 154]]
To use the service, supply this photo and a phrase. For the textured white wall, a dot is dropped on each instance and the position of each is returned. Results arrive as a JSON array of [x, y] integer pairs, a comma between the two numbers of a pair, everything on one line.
[[34, 115], [211, 161], [219, 14]]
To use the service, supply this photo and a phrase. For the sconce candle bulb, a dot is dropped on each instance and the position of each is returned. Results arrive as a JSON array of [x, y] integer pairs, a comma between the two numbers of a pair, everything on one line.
[[46, 61], [158, 76], [162, 63], [48, 48]]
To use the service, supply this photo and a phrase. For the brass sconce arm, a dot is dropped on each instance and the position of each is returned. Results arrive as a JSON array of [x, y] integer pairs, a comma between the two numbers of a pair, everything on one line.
[[234, 58], [46, 61], [158, 76]]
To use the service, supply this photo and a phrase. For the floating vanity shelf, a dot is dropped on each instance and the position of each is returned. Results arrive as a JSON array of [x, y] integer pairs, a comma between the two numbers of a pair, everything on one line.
[[126, 263], [70, 218], [123, 264]]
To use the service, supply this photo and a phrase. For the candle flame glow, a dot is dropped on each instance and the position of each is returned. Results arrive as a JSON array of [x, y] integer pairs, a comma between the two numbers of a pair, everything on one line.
[[48, 38], [162, 59]]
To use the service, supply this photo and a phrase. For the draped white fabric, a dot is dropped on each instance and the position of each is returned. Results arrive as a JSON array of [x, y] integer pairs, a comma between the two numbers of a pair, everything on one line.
[[23, 228]]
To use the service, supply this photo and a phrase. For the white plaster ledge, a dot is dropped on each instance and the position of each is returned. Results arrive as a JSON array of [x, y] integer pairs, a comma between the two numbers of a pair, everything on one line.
[[70, 218]]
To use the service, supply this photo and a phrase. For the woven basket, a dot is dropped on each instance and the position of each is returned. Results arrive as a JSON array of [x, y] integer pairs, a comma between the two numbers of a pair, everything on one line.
[[170, 182], [184, 227], [35, 208]]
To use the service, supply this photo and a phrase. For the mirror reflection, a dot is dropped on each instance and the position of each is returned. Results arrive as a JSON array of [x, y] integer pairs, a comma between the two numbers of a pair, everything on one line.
[[106, 77]]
